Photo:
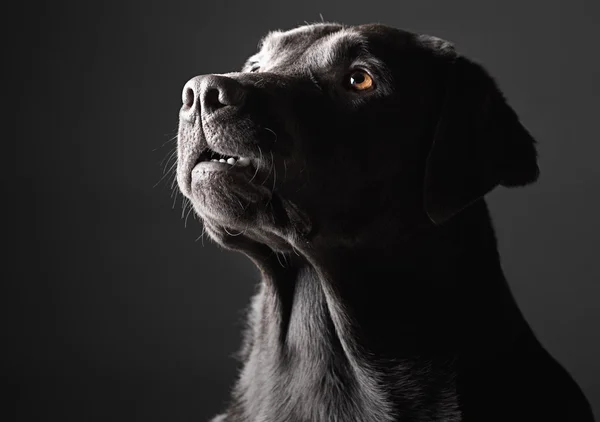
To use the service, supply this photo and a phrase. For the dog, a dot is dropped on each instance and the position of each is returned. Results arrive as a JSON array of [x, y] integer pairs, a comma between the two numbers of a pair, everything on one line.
[[350, 164]]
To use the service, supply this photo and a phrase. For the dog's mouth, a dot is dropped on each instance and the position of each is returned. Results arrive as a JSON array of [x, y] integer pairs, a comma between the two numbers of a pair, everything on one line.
[[211, 156], [227, 166]]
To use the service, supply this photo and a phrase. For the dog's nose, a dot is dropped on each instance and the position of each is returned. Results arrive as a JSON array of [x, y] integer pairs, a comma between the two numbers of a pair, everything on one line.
[[207, 93]]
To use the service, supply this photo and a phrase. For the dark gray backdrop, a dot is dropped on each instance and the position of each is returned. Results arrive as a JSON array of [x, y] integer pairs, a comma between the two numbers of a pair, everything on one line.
[[116, 313]]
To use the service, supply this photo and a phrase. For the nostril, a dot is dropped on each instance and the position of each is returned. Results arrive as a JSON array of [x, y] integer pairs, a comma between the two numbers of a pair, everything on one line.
[[220, 92], [188, 97], [212, 100]]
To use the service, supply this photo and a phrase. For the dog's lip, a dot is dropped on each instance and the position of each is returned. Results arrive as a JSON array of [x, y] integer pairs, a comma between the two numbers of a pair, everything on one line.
[[218, 166], [205, 171]]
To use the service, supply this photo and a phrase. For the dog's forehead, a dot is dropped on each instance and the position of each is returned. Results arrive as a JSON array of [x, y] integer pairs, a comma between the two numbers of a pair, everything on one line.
[[304, 45], [322, 44], [303, 36]]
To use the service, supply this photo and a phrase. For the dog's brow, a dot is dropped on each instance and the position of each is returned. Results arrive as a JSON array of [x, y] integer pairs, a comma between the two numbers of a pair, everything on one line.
[[336, 47], [267, 39]]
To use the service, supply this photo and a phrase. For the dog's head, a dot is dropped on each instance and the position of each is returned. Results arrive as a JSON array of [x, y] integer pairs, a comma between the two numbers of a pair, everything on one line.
[[333, 132]]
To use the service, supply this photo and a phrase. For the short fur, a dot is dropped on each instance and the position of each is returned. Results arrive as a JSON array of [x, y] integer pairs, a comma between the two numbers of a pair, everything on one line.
[[382, 295]]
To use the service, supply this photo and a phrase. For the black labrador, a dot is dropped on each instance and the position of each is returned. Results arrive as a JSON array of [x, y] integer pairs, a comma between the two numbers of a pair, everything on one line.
[[349, 164]]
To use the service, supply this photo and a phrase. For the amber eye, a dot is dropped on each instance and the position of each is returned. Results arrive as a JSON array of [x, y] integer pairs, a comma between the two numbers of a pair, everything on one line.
[[360, 80]]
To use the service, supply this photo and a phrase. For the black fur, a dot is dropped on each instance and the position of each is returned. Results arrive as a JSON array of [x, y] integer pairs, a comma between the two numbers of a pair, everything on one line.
[[382, 295]]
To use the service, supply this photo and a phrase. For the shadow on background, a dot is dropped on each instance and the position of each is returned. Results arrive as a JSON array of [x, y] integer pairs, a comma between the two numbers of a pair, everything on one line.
[[116, 312]]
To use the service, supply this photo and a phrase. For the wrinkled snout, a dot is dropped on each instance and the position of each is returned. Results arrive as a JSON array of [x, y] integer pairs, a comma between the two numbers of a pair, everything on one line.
[[205, 94]]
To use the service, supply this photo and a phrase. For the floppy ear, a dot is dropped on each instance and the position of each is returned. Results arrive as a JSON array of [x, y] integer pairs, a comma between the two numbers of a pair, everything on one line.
[[478, 144]]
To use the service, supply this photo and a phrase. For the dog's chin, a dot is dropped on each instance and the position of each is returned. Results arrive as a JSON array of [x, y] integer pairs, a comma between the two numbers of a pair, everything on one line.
[[246, 217], [227, 197]]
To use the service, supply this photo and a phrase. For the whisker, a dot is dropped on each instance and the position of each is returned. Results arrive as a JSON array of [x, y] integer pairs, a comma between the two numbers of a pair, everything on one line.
[[255, 173], [270, 170], [246, 229], [231, 234], [171, 167], [258, 166], [274, 171], [187, 215], [201, 235], [273, 132], [169, 157], [170, 140], [240, 202], [278, 260], [174, 188], [174, 181], [174, 200], [165, 174], [183, 207]]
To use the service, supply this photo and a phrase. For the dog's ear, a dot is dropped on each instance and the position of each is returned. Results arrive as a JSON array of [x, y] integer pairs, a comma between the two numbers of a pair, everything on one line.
[[479, 143]]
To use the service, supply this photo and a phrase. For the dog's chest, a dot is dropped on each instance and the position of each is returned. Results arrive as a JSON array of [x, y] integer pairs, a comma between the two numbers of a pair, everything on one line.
[[310, 376], [307, 376]]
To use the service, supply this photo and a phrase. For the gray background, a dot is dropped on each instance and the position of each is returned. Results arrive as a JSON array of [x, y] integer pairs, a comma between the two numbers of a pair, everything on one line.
[[115, 312]]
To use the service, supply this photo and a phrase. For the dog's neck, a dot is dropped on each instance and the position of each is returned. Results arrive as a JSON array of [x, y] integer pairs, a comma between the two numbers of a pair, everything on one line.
[[431, 294], [408, 315]]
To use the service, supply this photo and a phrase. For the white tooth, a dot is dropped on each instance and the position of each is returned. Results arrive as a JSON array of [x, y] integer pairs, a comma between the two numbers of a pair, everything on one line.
[[231, 161], [243, 161], [214, 159], [222, 160]]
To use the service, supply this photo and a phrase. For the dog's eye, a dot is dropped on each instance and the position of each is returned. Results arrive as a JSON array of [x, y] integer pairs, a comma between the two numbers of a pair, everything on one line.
[[360, 80], [254, 68]]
